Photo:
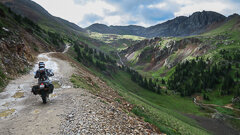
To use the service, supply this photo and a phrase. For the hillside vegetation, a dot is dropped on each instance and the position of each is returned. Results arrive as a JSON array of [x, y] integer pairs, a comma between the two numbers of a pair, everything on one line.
[[115, 43], [20, 40], [205, 66], [165, 79], [168, 120]]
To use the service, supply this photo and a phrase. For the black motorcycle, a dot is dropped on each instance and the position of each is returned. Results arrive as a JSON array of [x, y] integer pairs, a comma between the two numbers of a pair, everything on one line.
[[43, 89]]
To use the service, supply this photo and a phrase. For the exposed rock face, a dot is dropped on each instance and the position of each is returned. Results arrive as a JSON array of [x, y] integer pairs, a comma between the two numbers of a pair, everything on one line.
[[130, 51], [140, 45], [197, 23], [184, 26], [174, 52], [15, 55], [174, 46]]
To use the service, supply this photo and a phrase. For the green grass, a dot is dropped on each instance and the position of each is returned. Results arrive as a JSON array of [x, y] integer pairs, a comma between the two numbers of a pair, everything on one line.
[[216, 98], [222, 29], [80, 82], [173, 102], [110, 38], [225, 111], [114, 42], [164, 111]]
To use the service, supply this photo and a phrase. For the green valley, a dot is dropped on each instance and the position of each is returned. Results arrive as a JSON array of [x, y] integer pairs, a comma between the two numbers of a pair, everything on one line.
[[180, 77]]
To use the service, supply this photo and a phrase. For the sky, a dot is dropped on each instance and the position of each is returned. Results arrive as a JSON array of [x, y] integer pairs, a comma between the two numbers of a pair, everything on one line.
[[133, 12]]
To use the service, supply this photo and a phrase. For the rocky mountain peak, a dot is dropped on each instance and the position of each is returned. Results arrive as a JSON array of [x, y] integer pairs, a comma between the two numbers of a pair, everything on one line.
[[180, 26], [206, 18]]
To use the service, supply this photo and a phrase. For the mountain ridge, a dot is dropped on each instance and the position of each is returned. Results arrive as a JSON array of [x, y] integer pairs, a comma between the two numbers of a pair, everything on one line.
[[194, 24], [38, 14]]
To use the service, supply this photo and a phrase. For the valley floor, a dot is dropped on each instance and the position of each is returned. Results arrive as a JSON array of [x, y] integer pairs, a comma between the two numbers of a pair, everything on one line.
[[68, 111]]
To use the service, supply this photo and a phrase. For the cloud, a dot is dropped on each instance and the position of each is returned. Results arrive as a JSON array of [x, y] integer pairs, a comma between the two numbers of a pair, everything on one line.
[[187, 7], [220, 6], [137, 12], [89, 18], [159, 5]]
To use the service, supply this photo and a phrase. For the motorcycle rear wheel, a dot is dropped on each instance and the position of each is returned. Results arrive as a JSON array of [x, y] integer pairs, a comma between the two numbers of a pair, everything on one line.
[[44, 97]]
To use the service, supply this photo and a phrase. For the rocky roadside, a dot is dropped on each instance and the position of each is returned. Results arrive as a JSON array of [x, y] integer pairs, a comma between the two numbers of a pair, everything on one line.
[[90, 112]]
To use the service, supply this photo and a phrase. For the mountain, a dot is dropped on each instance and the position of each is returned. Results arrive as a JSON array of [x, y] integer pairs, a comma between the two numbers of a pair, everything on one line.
[[195, 24], [20, 40], [39, 15], [121, 30], [169, 51]]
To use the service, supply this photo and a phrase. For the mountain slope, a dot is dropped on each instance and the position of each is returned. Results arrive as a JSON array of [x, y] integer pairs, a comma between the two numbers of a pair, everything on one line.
[[121, 30], [204, 66], [20, 40], [197, 23], [39, 15], [171, 51]]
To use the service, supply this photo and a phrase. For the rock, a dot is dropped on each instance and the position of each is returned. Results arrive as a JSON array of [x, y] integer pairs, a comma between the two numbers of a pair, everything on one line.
[[70, 116], [218, 116], [5, 29], [6, 60], [236, 100]]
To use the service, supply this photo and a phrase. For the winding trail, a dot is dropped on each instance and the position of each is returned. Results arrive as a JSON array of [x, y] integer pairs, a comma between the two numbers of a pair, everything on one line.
[[68, 111], [211, 107]]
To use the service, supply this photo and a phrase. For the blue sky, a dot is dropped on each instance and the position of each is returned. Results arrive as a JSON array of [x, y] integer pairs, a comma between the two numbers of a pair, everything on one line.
[[133, 12]]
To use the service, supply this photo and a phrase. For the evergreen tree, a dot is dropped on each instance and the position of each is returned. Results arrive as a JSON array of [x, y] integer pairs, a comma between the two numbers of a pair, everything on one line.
[[163, 81]]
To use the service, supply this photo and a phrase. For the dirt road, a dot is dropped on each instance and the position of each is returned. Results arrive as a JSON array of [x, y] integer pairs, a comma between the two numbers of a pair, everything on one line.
[[68, 111]]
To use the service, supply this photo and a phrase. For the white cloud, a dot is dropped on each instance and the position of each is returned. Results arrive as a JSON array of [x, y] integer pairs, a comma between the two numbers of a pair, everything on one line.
[[159, 5], [76, 12], [140, 12], [187, 7], [115, 20], [192, 6]]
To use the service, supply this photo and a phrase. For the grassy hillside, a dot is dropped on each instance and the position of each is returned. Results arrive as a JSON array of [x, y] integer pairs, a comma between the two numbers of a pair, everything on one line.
[[39, 15], [217, 83], [164, 111], [115, 42], [168, 110]]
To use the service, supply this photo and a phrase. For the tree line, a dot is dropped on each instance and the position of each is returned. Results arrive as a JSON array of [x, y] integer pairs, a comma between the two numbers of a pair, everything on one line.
[[89, 56], [148, 84], [50, 37], [92, 57], [199, 75]]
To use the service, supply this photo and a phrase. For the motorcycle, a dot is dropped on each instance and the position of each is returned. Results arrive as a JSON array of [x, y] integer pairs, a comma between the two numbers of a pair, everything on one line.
[[44, 88]]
